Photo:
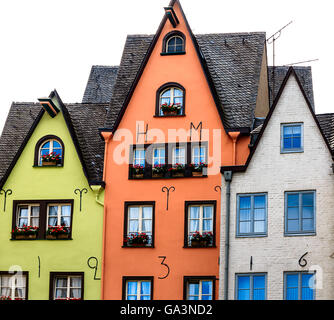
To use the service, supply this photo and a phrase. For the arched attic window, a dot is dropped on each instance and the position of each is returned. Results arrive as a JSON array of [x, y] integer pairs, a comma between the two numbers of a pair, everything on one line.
[[170, 100], [174, 43], [49, 151]]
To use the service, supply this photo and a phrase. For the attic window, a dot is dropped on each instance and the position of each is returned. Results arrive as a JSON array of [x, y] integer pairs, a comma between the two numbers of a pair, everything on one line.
[[170, 100], [174, 43], [49, 151]]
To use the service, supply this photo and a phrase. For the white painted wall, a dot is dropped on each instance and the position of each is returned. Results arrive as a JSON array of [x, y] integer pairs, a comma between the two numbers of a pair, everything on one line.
[[272, 172]]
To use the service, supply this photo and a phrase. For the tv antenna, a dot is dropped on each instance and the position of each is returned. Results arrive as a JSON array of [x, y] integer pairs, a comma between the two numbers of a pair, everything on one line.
[[271, 40]]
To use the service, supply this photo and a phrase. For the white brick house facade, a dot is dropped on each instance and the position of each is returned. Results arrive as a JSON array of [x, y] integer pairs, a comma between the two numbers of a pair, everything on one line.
[[274, 173]]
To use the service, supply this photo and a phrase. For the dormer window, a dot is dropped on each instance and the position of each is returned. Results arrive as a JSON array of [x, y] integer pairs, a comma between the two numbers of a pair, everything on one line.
[[174, 43], [170, 100], [49, 151]]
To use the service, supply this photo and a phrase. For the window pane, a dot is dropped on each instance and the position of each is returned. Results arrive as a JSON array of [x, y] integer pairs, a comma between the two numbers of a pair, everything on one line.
[[245, 227], [259, 294], [134, 212], [259, 226], [132, 287], [207, 225], [245, 202], [293, 200], [307, 286], [56, 145], [259, 214], [23, 211], [206, 287], [61, 282], [46, 145], [259, 202], [75, 293], [293, 225], [207, 211], [287, 143], [245, 215], [307, 199], [145, 288], [293, 213], [243, 282], [194, 212], [147, 226], [243, 294], [133, 226], [292, 286], [296, 143], [147, 212], [308, 224], [35, 211], [193, 289], [66, 210], [296, 130]]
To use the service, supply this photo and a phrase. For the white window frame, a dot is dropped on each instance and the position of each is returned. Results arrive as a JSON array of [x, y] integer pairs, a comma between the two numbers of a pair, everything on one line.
[[13, 284], [179, 157], [50, 149], [161, 159], [200, 284], [201, 219], [138, 295], [68, 286], [29, 217], [200, 156], [59, 211], [140, 220], [171, 97], [175, 45], [139, 158]]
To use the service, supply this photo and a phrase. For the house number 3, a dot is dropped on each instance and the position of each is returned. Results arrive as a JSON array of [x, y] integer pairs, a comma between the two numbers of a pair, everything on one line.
[[166, 265]]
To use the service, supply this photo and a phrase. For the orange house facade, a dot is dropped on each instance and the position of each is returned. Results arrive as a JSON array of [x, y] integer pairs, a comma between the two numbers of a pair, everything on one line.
[[165, 141]]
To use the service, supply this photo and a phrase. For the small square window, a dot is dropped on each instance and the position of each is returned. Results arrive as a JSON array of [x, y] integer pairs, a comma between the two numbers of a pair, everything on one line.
[[137, 288], [66, 286], [292, 138], [202, 288], [252, 215], [13, 286], [300, 212], [251, 286], [139, 222], [200, 224], [299, 286]]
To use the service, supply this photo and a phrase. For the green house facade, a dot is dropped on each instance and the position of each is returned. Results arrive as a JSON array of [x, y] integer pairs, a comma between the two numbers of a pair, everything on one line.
[[51, 212]]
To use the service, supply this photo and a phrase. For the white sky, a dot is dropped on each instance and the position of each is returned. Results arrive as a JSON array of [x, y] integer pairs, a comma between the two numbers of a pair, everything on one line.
[[48, 45]]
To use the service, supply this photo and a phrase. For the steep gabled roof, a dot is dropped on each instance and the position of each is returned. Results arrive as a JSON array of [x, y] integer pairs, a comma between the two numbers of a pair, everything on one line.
[[230, 62], [277, 74], [290, 72], [83, 121], [101, 81], [326, 122]]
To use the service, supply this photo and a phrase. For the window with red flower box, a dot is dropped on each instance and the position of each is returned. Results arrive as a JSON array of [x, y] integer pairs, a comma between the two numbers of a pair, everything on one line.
[[42, 219]]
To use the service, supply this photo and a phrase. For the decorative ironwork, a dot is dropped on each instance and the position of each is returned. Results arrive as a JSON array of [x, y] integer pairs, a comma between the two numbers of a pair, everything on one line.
[[5, 192], [251, 263], [145, 132], [93, 267], [200, 132], [303, 262], [80, 191], [218, 187], [166, 265], [167, 190], [39, 266]]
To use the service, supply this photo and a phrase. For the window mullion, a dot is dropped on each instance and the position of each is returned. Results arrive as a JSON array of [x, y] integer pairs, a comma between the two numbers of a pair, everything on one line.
[[252, 214], [140, 219], [68, 286], [300, 212]]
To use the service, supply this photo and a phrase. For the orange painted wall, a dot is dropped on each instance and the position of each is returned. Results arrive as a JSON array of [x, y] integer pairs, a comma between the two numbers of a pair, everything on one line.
[[169, 225]]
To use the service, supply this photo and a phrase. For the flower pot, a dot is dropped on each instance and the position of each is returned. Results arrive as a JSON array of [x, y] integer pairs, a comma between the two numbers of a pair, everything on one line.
[[157, 175], [197, 173], [32, 236], [138, 175], [49, 163], [178, 174], [20, 237], [138, 245], [63, 236], [199, 243], [170, 113], [51, 237]]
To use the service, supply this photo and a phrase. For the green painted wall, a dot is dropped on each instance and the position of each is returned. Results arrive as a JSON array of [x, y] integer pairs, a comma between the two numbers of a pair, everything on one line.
[[41, 183]]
